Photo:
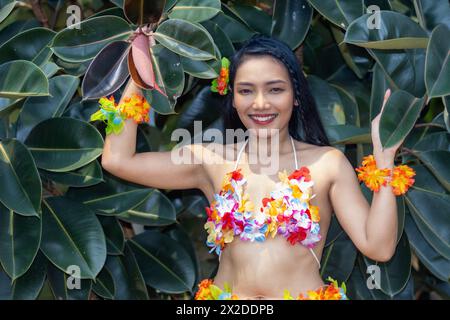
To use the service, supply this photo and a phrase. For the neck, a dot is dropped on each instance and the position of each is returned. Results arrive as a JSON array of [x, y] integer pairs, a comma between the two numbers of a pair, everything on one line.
[[276, 141]]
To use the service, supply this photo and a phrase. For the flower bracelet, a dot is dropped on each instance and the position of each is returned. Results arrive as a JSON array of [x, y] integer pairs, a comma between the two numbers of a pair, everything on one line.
[[135, 107], [400, 178]]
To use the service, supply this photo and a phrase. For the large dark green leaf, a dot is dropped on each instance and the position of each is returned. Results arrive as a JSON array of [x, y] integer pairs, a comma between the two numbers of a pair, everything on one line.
[[107, 72], [114, 234], [165, 264], [59, 284], [168, 71], [72, 235], [437, 264], [432, 13], [339, 12], [142, 12], [379, 86], [395, 273], [31, 45], [328, 101], [37, 109], [186, 38], [64, 144], [86, 176], [201, 69], [291, 20], [221, 39], [21, 185], [347, 134], [128, 281], [19, 241], [5, 285], [28, 286], [50, 69], [235, 30], [254, 17], [83, 43], [195, 10], [338, 259], [159, 102], [396, 31], [156, 210], [433, 141], [22, 78], [104, 285], [404, 69], [398, 118], [6, 7], [437, 162], [437, 68], [429, 210]]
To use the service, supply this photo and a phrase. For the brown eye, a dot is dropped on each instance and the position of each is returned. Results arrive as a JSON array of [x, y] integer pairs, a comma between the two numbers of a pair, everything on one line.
[[277, 90], [244, 91]]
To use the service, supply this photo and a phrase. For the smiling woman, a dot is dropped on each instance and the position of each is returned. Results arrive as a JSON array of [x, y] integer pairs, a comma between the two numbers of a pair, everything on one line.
[[271, 250]]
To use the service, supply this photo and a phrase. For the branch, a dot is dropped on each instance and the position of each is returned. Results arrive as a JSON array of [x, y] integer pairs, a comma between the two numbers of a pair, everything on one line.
[[40, 15]]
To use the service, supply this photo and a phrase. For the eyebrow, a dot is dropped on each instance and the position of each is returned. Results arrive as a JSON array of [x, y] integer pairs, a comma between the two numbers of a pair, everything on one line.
[[268, 82]]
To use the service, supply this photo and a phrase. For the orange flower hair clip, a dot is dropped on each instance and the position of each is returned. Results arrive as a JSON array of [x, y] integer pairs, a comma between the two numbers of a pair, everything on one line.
[[220, 84], [400, 178]]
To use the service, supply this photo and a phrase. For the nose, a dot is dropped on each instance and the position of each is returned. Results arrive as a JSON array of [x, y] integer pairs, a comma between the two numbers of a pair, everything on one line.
[[260, 102]]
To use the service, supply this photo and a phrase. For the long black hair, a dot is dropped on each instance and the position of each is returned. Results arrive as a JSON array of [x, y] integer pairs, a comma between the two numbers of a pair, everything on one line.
[[305, 124]]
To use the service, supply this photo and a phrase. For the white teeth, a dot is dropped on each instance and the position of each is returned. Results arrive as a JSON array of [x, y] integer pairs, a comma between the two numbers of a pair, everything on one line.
[[267, 118]]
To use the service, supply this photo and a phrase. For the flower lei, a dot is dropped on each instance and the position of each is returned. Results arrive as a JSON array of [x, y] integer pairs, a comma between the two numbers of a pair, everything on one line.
[[135, 107], [208, 291], [220, 84], [400, 178], [329, 292], [286, 212]]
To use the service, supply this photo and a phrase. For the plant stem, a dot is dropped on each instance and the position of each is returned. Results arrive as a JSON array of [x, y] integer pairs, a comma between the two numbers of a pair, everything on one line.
[[40, 15]]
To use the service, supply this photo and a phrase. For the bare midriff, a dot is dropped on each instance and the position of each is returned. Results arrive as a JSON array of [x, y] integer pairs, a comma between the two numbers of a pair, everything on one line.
[[262, 271]]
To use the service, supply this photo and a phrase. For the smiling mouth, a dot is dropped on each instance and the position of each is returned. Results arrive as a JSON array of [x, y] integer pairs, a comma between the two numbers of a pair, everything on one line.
[[263, 118]]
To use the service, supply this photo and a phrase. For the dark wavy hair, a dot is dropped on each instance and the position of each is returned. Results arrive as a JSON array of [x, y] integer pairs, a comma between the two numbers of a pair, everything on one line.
[[305, 124]]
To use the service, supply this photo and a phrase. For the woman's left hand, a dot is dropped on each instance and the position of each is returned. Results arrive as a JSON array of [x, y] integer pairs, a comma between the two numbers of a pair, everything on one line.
[[383, 157]]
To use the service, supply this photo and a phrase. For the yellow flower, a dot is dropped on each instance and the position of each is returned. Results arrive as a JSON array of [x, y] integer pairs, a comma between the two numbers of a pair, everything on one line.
[[402, 179], [314, 211]]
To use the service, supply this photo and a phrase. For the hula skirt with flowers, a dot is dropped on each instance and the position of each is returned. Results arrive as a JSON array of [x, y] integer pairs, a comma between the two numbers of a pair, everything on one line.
[[208, 291]]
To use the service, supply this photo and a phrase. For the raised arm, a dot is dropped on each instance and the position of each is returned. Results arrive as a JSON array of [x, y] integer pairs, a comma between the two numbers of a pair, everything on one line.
[[153, 169]]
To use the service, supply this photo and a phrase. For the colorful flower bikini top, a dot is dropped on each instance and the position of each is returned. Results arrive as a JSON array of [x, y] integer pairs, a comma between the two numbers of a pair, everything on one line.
[[287, 211]]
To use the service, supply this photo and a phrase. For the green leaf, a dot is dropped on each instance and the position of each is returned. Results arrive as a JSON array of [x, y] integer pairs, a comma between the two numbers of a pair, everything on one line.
[[64, 144], [432, 13], [165, 265], [404, 69], [31, 45], [104, 285], [110, 197], [347, 134], [22, 78], [19, 241], [254, 17], [114, 234], [398, 118], [72, 235], [235, 30], [86, 176], [437, 162], [59, 284], [396, 31], [291, 20], [156, 210], [128, 280], [395, 273], [107, 72], [437, 67], [437, 264], [141, 12], [158, 102], [429, 210], [201, 69], [28, 286], [185, 38], [50, 69], [379, 86], [195, 10], [82, 42], [6, 8], [168, 71], [338, 259], [36, 109], [18, 172], [222, 41], [433, 141], [339, 12]]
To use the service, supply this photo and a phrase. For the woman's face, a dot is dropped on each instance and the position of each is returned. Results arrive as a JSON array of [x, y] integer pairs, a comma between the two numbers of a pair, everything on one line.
[[263, 95]]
